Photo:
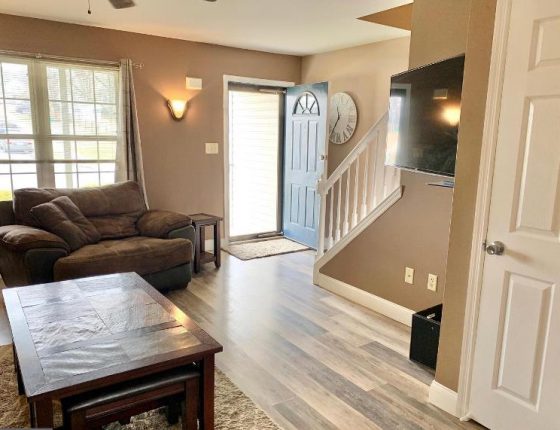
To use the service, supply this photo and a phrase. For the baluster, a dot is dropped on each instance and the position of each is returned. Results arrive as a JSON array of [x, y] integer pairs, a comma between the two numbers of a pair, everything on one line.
[[322, 217], [365, 184], [356, 184], [380, 178], [337, 233], [330, 241], [346, 224], [373, 172]]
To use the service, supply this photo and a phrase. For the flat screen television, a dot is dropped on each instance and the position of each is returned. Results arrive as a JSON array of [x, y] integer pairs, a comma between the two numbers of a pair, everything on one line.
[[424, 112]]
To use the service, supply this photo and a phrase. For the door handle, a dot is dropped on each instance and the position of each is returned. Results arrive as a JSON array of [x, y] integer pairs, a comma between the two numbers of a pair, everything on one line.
[[322, 157], [495, 248]]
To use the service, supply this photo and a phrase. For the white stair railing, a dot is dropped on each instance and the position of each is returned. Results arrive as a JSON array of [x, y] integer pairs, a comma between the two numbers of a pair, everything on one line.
[[356, 188]]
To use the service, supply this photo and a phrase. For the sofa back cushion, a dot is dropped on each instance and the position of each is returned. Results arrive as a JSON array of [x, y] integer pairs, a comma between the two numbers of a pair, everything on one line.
[[63, 218], [112, 209]]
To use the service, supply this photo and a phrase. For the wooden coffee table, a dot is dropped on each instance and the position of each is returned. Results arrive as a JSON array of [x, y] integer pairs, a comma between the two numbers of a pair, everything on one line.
[[75, 336]]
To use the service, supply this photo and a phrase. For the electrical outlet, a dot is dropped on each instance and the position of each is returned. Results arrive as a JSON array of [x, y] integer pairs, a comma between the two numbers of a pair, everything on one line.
[[212, 148], [409, 275], [432, 282]]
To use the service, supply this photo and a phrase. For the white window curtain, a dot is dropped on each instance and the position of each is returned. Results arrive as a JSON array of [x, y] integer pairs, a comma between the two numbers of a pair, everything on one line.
[[66, 125]]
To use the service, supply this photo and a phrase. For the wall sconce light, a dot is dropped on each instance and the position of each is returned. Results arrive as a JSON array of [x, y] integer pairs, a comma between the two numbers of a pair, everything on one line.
[[177, 108]]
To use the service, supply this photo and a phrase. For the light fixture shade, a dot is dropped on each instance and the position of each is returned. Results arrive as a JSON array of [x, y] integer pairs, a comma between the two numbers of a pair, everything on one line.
[[177, 108]]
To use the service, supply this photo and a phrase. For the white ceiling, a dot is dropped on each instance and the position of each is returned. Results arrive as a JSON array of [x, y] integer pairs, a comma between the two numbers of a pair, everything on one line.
[[299, 27]]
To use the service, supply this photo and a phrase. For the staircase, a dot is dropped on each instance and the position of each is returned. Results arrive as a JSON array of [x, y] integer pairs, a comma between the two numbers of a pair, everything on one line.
[[358, 192]]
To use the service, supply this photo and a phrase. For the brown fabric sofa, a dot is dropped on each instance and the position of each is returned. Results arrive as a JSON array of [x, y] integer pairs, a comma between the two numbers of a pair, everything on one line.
[[156, 244]]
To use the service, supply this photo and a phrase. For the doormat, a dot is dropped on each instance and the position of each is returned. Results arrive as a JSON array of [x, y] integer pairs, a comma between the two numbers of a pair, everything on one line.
[[264, 248]]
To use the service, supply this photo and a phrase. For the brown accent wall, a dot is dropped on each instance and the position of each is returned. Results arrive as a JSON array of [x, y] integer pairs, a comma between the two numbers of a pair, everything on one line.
[[475, 86], [179, 176], [415, 231], [364, 72]]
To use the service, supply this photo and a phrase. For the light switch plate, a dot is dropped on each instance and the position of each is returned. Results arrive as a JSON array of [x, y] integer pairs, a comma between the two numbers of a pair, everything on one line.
[[409, 275], [432, 282], [212, 148]]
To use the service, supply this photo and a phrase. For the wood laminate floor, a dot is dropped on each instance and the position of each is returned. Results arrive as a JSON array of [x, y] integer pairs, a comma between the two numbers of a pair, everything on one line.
[[308, 358]]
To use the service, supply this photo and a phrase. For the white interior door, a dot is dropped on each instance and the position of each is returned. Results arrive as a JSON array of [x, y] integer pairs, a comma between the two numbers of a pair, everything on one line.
[[516, 373], [255, 121]]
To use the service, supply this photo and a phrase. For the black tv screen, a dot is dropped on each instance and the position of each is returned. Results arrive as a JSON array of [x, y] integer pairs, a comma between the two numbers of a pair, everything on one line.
[[424, 112]]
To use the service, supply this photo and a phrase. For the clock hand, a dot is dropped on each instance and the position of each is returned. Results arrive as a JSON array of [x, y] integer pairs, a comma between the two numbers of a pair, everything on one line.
[[336, 123]]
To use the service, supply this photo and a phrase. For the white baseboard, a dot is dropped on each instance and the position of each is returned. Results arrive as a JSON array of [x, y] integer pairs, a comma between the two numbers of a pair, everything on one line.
[[444, 398], [385, 307]]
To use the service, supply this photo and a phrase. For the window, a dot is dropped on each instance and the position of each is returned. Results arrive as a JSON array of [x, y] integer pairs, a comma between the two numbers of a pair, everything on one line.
[[59, 125]]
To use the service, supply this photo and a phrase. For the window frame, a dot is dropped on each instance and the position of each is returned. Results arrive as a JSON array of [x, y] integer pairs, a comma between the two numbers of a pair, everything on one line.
[[42, 137]]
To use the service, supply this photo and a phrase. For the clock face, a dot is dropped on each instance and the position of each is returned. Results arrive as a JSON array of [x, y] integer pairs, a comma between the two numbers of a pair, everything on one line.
[[343, 118]]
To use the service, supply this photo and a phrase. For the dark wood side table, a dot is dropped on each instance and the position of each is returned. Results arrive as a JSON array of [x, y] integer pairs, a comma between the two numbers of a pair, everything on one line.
[[200, 222]]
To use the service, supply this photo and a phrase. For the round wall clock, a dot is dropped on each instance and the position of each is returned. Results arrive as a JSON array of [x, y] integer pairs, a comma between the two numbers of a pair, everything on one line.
[[343, 118]]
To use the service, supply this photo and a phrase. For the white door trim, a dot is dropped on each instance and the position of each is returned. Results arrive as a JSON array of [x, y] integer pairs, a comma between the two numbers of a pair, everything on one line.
[[239, 80], [482, 209]]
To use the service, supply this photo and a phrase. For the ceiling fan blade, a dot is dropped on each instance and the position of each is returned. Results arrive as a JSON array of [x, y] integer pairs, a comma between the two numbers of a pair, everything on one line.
[[122, 4]]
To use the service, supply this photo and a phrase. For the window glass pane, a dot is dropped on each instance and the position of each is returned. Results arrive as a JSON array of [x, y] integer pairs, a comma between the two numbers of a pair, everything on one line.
[[21, 149], [4, 168], [4, 155], [65, 180], [107, 167], [87, 150], [106, 120], [88, 180], [61, 118], [24, 181], [18, 113], [16, 80], [58, 82], [24, 168], [107, 178], [105, 87], [64, 150], [2, 118], [107, 150], [84, 119], [65, 167], [82, 85], [88, 167], [5, 188]]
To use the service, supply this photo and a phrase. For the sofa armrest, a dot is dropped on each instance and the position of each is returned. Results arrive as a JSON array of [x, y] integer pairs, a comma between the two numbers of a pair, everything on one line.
[[21, 238], [158, 223], [184, 233], [27, 255]]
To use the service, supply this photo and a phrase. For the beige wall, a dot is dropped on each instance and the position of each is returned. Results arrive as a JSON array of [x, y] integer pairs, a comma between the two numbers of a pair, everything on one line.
[[179, 175], [475, 87], [415, 231], [364, 72]]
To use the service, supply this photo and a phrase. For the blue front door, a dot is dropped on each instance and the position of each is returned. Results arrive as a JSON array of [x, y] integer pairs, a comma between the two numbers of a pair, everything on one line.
[[304, 160]]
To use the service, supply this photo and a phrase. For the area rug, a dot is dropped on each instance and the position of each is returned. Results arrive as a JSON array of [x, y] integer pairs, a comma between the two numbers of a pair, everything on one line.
[[234, 410], [264, 248]]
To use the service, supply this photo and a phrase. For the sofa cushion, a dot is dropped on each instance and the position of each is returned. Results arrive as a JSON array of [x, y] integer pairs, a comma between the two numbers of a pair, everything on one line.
[[21, 238], [122, 202], [115, 226], [63, 218], [139, 254], [158, 223]]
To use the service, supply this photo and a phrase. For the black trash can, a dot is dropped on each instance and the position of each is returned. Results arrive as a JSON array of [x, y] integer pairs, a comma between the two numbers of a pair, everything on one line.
[[425, 336]]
